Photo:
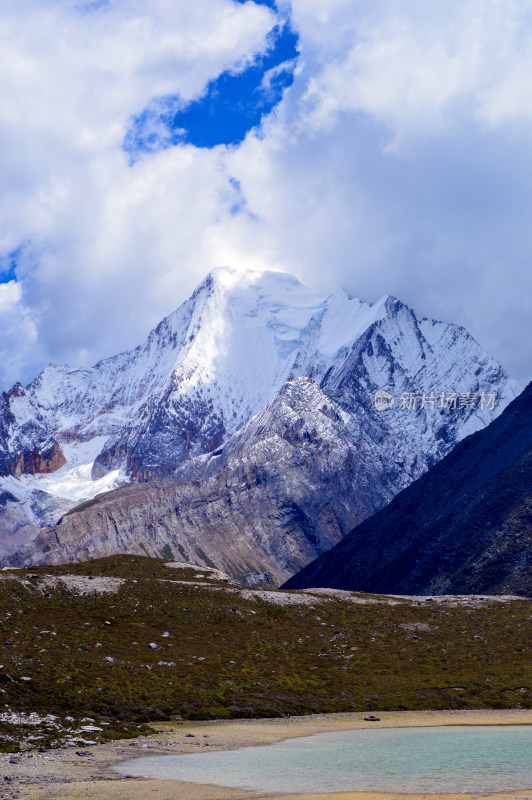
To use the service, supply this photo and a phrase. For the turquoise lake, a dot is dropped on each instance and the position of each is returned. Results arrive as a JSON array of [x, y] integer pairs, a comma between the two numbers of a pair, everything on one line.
[[444, 759]]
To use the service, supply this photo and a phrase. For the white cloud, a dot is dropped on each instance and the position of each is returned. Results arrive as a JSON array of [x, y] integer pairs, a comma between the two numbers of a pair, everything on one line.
[[400, 161], [71, 82], [18, 339], [100, 238], [420, 67]]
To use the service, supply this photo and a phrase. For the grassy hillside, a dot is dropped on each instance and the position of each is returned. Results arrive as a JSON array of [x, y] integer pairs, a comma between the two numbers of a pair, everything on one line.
[[233, 652]]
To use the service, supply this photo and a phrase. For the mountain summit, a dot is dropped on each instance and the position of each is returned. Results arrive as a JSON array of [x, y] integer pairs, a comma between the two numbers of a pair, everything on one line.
[[162, 410]]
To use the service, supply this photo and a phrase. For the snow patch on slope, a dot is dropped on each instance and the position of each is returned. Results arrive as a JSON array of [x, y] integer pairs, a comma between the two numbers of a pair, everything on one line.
[[345, 319]]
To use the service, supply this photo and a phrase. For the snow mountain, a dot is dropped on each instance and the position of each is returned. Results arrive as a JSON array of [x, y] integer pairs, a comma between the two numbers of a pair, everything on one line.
[[196, 398]]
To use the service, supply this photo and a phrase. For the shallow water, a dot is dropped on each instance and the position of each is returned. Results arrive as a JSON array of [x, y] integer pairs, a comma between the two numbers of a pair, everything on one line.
[[444, 759]]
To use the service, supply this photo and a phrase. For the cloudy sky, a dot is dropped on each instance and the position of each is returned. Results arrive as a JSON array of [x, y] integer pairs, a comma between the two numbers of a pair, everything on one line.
[[381, 145]]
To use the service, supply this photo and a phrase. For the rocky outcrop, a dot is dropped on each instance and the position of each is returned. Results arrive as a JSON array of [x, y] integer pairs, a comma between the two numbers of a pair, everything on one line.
[[38, 462], [26, 445], [464, 527], [20, 528]]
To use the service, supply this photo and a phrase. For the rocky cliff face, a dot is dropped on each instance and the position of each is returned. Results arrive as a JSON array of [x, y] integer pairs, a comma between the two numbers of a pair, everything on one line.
[[463, 527], [198, 383], [277, 494]]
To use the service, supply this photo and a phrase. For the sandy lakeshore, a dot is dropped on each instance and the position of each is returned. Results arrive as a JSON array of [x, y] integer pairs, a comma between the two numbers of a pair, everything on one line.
[[87, 774]]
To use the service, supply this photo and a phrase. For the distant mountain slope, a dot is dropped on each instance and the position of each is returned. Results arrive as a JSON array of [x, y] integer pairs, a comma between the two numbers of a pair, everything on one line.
[[215, 363], [275, 496], [463, 527]]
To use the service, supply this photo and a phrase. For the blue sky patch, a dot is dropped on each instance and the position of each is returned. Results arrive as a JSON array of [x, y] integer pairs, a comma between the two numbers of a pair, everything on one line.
[[232, 104], [8, 266], [269, 3]]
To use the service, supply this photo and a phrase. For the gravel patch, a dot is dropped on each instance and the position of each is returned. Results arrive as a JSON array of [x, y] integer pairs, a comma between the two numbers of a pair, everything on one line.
[[81, 584]]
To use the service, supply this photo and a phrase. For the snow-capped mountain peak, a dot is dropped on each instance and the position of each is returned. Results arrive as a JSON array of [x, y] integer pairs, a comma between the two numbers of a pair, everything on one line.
[[219, 359]]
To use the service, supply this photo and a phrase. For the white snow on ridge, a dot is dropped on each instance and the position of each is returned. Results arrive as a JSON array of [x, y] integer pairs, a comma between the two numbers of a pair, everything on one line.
[[345, 320], [250, 332], [239, 338]]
